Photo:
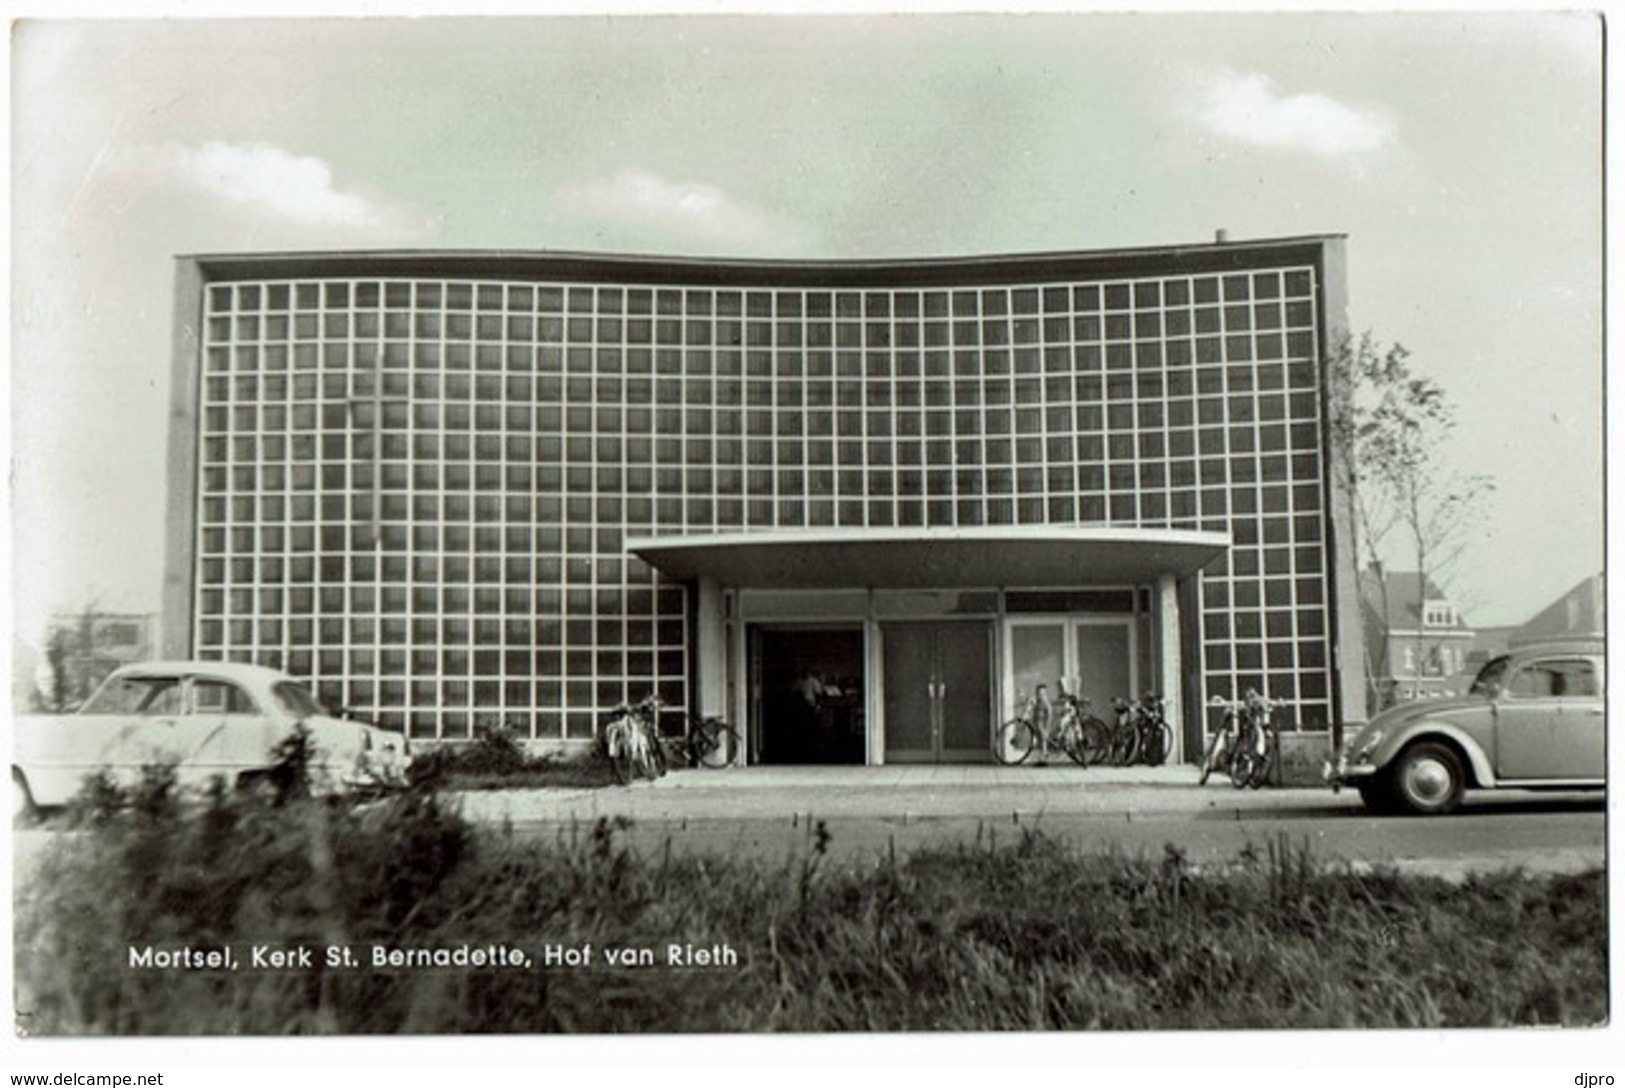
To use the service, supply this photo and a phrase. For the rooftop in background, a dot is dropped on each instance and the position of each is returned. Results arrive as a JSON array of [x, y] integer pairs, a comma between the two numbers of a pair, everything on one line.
[[1406, 601], [1579, 613]]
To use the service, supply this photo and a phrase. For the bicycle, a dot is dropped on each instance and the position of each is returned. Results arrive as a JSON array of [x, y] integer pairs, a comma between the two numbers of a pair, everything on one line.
[[1225, 741], [710, 742], [1095, 736], [1014, 741], [1156, 735], [1256, 762], [1038, 726], [631, 740], [1244, 746], [1125, 733]]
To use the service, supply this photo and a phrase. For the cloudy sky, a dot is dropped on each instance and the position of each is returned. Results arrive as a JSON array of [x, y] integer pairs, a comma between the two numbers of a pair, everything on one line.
[[1461, 154]]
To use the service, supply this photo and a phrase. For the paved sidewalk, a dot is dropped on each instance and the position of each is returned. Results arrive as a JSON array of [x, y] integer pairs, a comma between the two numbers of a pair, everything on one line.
[[902, 793], [871, 812]]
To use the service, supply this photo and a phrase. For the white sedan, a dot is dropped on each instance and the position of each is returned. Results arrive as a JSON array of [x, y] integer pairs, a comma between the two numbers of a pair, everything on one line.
[[207, 720]]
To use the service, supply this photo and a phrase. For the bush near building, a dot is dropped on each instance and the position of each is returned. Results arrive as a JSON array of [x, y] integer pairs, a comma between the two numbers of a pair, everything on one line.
[[499, 759]]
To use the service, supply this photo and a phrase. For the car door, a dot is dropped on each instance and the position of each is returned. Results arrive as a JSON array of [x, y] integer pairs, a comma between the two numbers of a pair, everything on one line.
[[1549, 721], [222, 733], [133, 723]]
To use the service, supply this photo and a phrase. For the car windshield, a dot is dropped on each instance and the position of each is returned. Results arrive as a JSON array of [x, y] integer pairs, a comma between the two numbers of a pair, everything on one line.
[[136, 695], [1490, 677], [296, 700]]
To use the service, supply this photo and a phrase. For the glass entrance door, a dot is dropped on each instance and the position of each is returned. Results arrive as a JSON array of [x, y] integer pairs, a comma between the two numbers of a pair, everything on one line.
[[907, 653], [1091, 655], [938, 691], [1103, 662]]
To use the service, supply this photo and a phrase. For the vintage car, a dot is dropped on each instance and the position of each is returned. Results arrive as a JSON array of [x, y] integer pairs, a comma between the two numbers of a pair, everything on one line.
[[208, 720], [1533, 719]]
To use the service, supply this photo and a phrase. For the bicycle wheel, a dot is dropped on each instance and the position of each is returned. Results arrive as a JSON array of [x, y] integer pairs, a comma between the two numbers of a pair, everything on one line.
[[656, 745], [1096, 745], [615, 749], [718, 744], [1152, 751], [1263, 764], [1125, 745], [1015, 742], [1165, 743], [1242, 763], [1069, 738], [642, 757], [1215, 754]]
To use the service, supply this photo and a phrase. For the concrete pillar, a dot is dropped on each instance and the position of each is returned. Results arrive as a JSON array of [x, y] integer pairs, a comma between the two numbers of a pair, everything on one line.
[[181, 491], [711, 651], [1170, 668]]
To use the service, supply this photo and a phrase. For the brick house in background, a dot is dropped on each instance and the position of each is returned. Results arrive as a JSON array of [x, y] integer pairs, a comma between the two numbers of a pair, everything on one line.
[[1417, 642]]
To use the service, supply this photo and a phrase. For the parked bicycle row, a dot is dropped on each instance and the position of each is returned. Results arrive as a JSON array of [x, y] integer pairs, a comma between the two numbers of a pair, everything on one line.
[[636, 748], [1245, 746], [1137, 731]]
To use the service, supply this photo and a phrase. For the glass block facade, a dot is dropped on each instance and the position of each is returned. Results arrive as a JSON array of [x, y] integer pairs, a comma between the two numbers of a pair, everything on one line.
[[412, 479]]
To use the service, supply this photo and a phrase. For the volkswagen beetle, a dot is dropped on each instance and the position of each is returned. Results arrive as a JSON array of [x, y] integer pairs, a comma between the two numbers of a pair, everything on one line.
[[1533, 719]]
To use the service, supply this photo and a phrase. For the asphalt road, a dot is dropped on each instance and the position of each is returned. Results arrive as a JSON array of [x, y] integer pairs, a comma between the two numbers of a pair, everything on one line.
[[1546, 836], [1211, 826]]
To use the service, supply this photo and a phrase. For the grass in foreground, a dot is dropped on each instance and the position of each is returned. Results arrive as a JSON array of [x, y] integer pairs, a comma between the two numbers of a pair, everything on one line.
[[1022, 935]]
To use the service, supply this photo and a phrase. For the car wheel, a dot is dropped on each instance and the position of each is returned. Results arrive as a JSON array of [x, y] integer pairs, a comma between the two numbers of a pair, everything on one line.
[[1428, 779]]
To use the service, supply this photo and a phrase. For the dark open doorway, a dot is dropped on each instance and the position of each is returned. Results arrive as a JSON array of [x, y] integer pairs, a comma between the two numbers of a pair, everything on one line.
[[810, 695]]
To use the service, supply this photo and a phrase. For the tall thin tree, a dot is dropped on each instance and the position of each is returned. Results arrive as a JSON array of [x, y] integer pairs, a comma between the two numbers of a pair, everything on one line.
[[1392, 425]]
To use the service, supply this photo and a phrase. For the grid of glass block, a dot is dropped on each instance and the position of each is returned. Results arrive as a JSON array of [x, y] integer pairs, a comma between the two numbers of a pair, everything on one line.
[[417, 491]]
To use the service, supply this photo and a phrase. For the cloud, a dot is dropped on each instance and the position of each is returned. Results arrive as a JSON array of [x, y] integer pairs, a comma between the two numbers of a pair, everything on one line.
[[690, 209], [1249, 107], [297, 188]]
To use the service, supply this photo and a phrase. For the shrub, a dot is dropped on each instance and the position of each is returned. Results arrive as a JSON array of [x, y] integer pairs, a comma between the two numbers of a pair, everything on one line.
[[497, 759], [292, 758], [1025, 934]]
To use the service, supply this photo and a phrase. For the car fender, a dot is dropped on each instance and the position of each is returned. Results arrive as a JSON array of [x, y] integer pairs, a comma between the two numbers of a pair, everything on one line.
[[55, 753], [1483, 769], [52, 786]]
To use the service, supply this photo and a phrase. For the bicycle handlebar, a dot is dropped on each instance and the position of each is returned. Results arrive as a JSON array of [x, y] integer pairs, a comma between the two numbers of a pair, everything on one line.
[[1252, 700]]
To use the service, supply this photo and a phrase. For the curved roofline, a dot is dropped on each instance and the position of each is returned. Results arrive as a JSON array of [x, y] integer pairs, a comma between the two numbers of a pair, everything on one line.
[[989, 555], [952, 269], [998, 534]]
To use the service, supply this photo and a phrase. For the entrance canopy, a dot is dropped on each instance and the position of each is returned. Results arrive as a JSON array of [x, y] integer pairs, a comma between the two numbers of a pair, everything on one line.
[[1026, 555]]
